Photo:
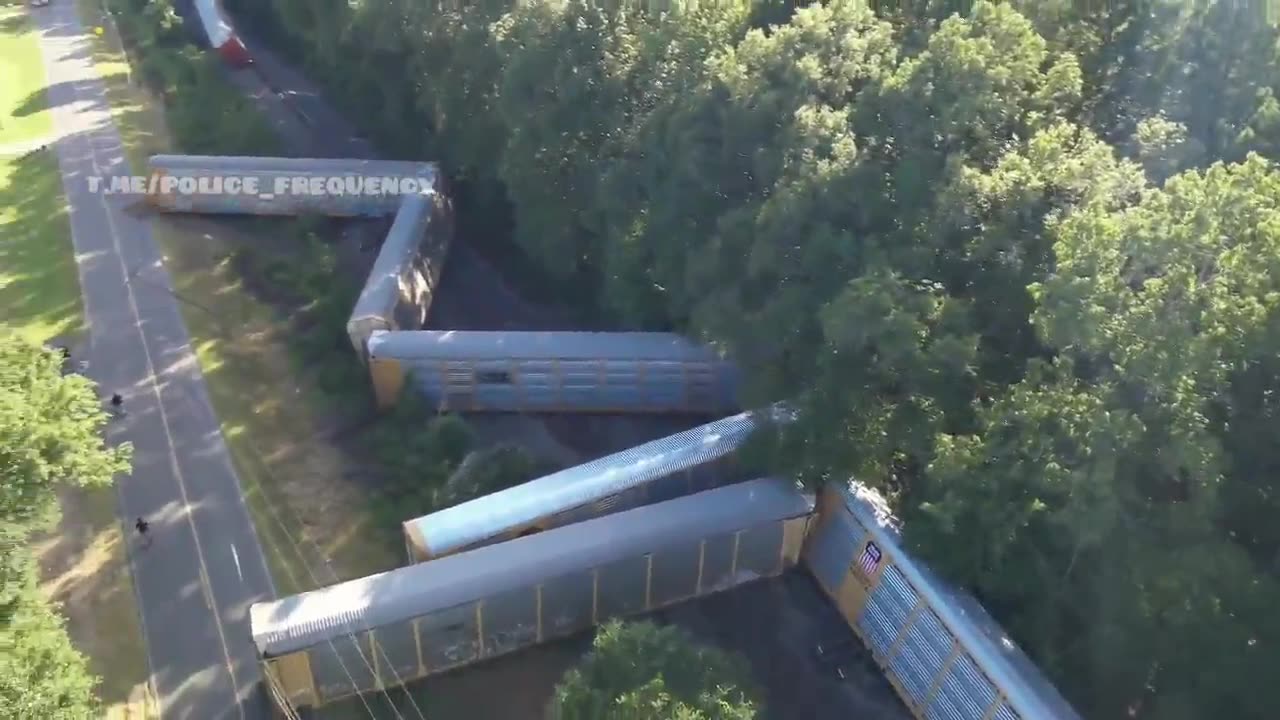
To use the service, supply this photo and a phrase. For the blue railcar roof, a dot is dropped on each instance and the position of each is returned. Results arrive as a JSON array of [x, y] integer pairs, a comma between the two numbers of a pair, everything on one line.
[[1026, 687], [461, 525], [381, 289], [553, 345], [297, 166], [300, 621]]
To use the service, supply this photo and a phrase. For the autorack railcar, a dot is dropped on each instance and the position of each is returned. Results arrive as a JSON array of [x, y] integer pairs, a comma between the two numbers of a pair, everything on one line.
[[221, 35], [495, 371], [385, 630], [398, 292], [943, 654], [687, 462]]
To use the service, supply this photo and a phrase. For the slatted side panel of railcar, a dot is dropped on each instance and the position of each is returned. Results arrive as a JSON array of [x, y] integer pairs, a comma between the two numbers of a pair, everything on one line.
[[936, 678]]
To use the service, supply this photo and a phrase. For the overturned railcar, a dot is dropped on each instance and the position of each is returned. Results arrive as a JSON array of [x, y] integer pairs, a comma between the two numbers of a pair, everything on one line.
[[490, 371], [332, 187], [220, 34], [385, 630], [941, 651], [691, 461], [398, 292]]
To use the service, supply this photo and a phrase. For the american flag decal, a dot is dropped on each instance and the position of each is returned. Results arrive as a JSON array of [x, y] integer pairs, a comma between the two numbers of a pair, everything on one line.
[[870, 559]]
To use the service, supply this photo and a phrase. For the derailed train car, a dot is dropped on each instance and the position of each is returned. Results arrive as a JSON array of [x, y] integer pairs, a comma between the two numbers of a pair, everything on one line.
[[332, 187], [388, 629], [479, 371], [398, 292], [685, 463], [220, 34], [943, 654]]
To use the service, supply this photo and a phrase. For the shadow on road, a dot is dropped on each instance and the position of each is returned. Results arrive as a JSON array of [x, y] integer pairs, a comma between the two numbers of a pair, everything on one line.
[[13, 24], [38, 101]]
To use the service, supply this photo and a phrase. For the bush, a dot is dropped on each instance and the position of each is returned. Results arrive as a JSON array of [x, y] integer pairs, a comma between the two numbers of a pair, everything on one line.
[[300, 273], [417, 452], [429, 463], [640, 671], [489, 471]]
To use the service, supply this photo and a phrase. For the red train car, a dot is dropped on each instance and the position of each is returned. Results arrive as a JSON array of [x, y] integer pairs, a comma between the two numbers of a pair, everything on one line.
[[222, 35]]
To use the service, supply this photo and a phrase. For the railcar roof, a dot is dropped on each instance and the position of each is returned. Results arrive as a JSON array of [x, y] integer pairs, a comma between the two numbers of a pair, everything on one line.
[[1024, 684], [483, 517], [300, 166], [553, 345], [381, 289], [297, 622]]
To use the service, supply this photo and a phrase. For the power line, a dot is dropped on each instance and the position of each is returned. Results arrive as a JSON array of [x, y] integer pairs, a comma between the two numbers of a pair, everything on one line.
[[279, 522]]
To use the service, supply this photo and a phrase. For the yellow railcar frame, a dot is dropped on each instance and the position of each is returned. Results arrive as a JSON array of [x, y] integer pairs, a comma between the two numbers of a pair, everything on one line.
[[851, 598], [293, 678]]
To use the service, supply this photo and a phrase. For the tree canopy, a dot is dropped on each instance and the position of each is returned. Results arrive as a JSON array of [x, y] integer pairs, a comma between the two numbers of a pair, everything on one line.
[[50, 436], [640, 671], [1015, 262]]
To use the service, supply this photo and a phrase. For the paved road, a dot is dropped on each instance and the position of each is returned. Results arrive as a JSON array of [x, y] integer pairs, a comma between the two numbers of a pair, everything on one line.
[[196, 582]]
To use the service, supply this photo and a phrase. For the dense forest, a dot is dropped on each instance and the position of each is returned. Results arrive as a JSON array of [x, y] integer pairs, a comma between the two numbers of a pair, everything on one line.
[[1018, 263]]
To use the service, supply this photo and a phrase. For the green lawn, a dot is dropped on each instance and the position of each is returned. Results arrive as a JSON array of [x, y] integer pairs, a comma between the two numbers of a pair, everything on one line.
[[24, 117], [39, 288]]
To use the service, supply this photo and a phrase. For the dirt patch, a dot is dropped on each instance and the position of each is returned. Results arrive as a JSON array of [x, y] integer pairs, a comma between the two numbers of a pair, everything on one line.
[[85, 570], [777, 625]]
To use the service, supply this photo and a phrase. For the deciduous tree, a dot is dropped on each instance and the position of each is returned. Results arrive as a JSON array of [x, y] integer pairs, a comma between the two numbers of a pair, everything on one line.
[[50, 437], [639, 671]]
